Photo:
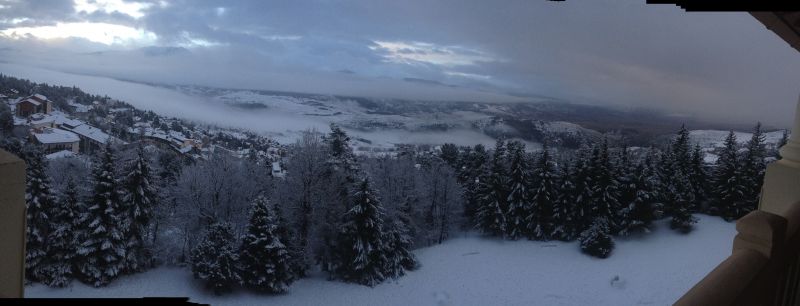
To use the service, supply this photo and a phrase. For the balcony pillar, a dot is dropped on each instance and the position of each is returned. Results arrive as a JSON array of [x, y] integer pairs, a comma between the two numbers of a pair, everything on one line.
[[781, 186], [12, 225]]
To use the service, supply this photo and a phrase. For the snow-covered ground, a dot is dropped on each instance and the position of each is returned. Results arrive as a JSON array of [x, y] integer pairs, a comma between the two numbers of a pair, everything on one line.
[[654, 269]]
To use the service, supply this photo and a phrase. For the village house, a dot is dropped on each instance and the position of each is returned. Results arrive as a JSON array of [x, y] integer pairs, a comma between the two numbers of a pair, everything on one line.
[[55, 140], [35, 104]]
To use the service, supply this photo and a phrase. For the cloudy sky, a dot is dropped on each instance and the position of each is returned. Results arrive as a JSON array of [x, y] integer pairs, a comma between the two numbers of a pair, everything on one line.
[[722, 66]]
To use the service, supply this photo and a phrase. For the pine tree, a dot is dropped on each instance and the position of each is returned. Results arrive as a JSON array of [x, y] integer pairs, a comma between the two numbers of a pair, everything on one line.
[[753, 168], [596, 240], [139, 202], [584, 181], [681, 151], [729, 187], [520, 213], [265, 262], [493, 195], [626, 176], [682, 219], [39, 201], [469, 177], [605, 187], [640, 212], [398, 246], [540, 221], [699, 178], [565, 227], [361, 253], [57, 270], [214, 259], [101, 255]]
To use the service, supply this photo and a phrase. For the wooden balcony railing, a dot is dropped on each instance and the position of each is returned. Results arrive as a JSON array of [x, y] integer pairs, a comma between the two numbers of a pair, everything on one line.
[[12, 225]]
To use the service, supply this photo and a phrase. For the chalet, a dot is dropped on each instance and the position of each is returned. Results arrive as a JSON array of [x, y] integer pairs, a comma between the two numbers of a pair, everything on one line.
[[91, 138], [55, 140], [34, 104]]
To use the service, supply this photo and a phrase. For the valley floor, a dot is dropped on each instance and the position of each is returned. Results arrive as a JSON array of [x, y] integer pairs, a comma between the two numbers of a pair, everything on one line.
[[655, 269]]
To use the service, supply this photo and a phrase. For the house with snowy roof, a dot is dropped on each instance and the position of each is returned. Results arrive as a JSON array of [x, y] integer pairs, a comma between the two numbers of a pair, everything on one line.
[[55, 140], [35, 104]]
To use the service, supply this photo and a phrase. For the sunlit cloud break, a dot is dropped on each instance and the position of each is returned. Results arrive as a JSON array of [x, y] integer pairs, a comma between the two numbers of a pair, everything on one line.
[[104, 33], [133, 9], [420, 52]]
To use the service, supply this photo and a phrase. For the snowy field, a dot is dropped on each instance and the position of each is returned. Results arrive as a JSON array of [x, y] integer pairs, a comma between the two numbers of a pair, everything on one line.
[[652, 270]]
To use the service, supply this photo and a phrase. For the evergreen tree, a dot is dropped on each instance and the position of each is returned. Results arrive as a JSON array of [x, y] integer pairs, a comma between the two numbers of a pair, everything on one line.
[[361, 254], [57, 270], [699, 178], [682, 151], [214, 259], [493, 195], [39, 201], [640, 212], [564, 225], [626, 176], [265, 262], [596, 240], [729, 187], [449, 154], [520, 213], [605, 187], [753, 168], [682, 219], [544, 194], [139, 199], [469, 176], [101, 255], [584, 181], [399, 258]]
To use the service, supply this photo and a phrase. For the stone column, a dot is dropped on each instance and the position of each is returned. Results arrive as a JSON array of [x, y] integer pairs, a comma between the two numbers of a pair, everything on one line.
[[782, 180], [12, 225]]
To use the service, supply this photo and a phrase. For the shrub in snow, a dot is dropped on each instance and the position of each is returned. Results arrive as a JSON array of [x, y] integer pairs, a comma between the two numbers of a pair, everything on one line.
[[265, 264], [398, 246], [682, 221], [214, 259], [596, 240]]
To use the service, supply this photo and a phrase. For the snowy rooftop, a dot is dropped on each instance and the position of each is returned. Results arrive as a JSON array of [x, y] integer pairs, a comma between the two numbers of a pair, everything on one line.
[[61, 154], [91, 132], [53, 136]]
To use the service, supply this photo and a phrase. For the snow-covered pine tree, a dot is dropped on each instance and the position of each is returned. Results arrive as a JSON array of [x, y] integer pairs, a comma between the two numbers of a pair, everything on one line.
[[341, 153], [564, 226], [469, 176], [683, 197], [39, 202], [265, 262], [596, 240], [139, 200], [626, 176], [101, 254], [682, 151], [699, 179], [398, 243], [520, 214], [540, 221], [361, 254], [214, 259], [642, 210], [605, 187], [493, 195], [729, 187], [753, 168], [583, 196], [287, 235], [61, 248]]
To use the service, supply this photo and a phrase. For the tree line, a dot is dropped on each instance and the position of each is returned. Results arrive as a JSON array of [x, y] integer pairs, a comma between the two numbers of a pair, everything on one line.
[[357, 218]]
